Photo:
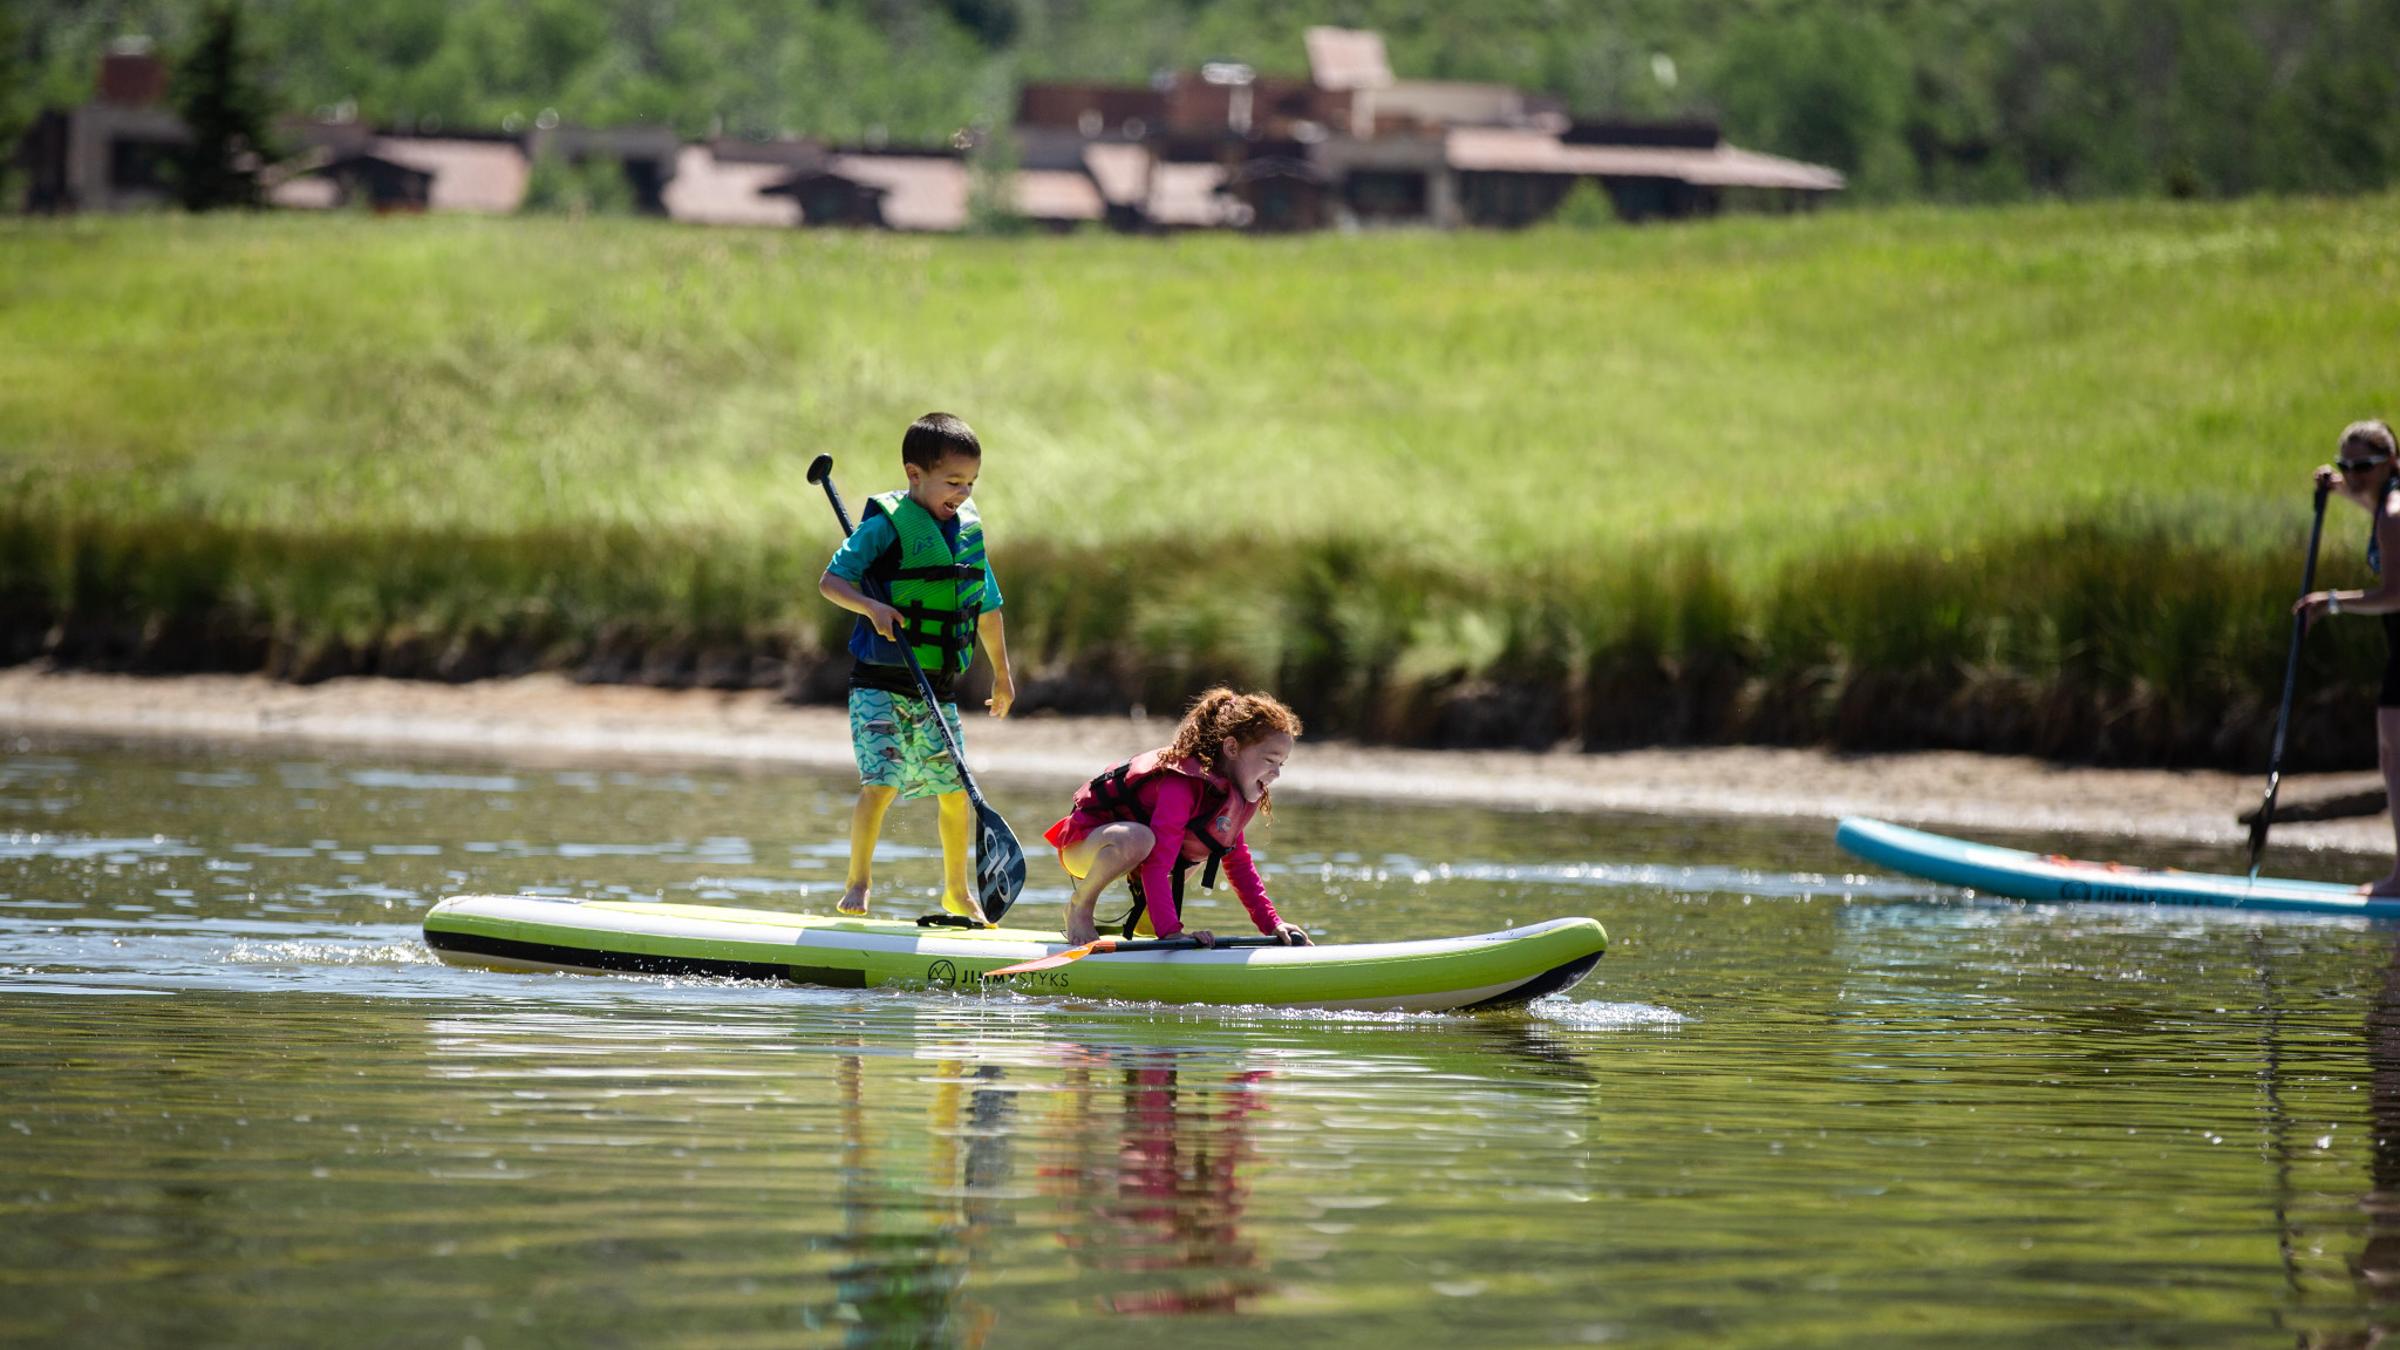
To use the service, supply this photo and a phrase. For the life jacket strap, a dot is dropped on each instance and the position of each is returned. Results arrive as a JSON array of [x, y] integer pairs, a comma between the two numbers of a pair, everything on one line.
[[939, 572], [949, 631], [1108, 791], [1132, 919]]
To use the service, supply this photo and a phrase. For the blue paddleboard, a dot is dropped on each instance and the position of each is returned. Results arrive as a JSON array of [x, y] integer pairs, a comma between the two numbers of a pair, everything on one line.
[[1991, 870]]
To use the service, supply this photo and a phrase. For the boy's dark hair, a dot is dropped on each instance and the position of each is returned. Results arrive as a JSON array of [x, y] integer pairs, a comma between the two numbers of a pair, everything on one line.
[[937, 434]]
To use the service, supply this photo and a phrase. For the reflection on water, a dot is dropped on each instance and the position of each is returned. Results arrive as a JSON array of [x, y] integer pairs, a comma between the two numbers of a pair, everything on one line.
[[1154, 1191], [2374, 1272], [1793, 1106]]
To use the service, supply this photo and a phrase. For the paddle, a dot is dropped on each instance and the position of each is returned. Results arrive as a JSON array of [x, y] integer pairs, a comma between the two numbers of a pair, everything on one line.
[[999, 858], [2291, 674], [1109, 944]]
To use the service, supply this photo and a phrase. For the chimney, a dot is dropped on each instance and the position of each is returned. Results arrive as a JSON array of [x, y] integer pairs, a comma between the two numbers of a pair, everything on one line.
[[132, 75]]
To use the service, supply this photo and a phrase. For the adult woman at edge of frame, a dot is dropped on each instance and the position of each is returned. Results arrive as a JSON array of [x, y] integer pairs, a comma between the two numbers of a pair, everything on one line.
[[2364, 471]]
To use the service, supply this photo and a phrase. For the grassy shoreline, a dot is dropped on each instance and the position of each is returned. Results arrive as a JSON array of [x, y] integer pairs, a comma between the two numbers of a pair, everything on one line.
[[2027, 480]]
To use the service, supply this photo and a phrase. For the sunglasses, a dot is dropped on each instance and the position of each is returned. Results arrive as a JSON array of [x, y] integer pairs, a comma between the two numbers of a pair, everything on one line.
[[2355, 465]]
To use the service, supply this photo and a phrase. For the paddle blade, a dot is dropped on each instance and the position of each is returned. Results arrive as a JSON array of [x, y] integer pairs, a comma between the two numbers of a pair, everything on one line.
[[1055, 959], [999, 863], [2261, 822]]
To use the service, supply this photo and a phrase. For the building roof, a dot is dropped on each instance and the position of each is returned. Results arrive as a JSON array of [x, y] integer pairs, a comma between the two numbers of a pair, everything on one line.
[[468, 175], [1347, 58], [1123, 109], [791, 152], [921, 192], [712, 191], [1736, 167], [1055, 194], [1455, 103], [1523, 150]]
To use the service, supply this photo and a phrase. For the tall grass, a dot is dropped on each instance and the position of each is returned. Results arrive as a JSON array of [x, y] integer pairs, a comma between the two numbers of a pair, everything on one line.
[[2025, 479]]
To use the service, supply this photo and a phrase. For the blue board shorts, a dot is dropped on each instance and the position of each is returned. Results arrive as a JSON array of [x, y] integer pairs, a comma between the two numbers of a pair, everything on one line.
[[898, 747]]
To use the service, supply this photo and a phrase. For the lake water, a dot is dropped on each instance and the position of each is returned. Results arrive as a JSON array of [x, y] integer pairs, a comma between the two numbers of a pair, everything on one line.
[[1794, 1106]]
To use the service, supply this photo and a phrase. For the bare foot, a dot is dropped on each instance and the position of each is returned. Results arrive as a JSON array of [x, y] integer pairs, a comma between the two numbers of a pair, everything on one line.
[[853, 901], [964, 906]]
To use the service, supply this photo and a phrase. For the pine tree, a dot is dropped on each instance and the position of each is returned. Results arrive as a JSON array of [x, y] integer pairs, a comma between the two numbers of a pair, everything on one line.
[[226, 111], [16, 104]]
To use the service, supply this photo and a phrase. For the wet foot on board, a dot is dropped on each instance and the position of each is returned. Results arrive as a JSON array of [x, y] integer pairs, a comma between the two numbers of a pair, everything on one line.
[[853, 902]]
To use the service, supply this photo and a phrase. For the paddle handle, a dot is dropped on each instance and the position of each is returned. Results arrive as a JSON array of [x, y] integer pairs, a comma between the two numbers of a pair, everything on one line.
[[2291, 677]]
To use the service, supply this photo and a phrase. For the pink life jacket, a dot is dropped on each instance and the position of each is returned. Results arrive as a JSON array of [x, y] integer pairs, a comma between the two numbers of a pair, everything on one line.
[[1218, 818]]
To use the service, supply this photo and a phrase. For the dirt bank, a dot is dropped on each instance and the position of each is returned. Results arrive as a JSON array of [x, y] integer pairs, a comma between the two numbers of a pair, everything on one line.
[[550, 718]]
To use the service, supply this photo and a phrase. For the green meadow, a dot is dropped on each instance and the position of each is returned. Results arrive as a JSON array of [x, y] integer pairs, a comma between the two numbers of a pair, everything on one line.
[[2031, 478]]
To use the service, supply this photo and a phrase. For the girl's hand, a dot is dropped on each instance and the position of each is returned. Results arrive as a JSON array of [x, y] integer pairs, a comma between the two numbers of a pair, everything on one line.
[[1201, 936], [2327, 479], [1292, 935], [2312, 607]]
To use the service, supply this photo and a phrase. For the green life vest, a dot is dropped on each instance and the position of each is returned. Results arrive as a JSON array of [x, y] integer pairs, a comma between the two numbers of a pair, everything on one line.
[[937, 590]]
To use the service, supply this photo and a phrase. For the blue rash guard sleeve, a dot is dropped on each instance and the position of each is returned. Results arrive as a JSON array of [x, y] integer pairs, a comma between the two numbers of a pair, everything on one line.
[[859, 551]]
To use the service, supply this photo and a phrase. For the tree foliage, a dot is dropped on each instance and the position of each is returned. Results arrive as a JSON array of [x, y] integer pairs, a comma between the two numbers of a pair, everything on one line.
[[594, 185], [1946, 99], [16, 99], [1585, 207], [221, 103]]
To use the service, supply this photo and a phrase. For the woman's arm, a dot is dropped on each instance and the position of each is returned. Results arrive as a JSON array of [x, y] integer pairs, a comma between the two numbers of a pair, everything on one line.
[[2381, 598]]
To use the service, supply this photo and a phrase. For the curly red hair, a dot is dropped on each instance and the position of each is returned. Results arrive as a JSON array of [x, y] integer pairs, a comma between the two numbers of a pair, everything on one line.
[[1221, 712]]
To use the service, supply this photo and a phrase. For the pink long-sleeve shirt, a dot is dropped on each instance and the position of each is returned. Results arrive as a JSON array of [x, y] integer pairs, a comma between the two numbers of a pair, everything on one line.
[[1171, 809]]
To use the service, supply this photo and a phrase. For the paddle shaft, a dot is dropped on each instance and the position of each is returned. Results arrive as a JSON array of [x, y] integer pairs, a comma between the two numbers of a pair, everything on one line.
[[820, 471], [2291, 677]]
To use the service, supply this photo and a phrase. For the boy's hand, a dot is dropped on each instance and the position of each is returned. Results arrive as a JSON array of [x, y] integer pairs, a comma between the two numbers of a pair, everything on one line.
[[884, 619], [1004, 695]]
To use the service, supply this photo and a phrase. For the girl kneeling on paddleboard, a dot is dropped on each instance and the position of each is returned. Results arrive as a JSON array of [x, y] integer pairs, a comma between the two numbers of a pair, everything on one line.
[[2364, 470], [1156, 816]]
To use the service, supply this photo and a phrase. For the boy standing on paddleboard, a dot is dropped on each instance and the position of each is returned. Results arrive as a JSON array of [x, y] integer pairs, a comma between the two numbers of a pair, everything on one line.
[[915, 570]]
